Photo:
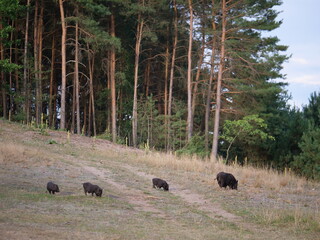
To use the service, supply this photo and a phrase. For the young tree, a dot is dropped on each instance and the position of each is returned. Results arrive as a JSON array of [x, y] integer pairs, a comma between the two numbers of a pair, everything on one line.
[[308, 162], [250, 129], [312, 110]]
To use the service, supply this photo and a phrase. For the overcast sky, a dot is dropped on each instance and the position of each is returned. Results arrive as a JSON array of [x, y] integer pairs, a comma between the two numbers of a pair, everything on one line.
[[301, 32]]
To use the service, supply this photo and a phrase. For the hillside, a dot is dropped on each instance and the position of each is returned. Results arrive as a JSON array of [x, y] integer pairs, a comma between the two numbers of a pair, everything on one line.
[[266, 205]]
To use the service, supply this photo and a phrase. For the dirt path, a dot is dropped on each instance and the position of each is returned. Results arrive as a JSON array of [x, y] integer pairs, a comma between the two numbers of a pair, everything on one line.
[[199, 202], [138, 198], [133, 196], [193, 199]]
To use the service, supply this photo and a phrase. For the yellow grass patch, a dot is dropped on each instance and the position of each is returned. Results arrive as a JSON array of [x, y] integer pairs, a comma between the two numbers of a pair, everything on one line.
[[246, 175], [12, 152]]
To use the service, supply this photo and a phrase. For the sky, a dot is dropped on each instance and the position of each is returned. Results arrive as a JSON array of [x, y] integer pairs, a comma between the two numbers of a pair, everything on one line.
[[300, 31]]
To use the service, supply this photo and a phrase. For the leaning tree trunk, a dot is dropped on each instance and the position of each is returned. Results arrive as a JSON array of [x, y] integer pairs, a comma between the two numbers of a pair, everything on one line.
[[219, 83]]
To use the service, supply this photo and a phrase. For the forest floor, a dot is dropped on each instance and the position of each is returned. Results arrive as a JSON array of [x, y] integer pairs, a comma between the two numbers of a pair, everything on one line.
[[194, 208]]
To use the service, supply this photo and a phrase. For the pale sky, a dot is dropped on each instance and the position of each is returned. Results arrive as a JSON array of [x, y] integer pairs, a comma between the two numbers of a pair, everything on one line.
[[300, 31]]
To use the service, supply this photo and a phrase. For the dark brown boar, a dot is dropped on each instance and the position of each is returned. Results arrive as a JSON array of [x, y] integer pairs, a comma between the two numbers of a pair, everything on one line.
[[52, 188], [227, 179], [159, 183], [93, 189]]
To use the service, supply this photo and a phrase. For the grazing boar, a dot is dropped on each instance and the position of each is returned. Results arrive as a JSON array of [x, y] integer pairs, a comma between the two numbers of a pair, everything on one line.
[[52, 188], [227, 179], [93, 189], [159, 183]]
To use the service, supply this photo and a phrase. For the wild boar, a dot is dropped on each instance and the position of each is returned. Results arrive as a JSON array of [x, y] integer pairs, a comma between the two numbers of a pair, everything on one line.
[[93, 189], [52, 188], [227, 179], [159, 183]]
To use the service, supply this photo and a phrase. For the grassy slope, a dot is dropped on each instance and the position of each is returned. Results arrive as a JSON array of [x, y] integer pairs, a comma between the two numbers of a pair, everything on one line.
[[266, 206]]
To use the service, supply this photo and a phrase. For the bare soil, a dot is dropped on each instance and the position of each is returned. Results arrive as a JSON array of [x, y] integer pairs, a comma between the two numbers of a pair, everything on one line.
[[194, 208]]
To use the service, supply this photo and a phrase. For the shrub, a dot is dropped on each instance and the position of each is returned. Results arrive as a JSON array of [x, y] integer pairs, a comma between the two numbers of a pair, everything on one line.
[[308, 162]]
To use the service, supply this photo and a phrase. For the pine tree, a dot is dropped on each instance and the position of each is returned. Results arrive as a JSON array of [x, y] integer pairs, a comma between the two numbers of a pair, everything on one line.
[[251, 60]]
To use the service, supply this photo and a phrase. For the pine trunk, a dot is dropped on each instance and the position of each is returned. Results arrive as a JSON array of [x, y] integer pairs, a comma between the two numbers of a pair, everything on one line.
[[73, 111], [189, 83], [136, 69], [165, 92], [173, 60], [51, 97], [36, 58], [219, 83], [11, 103], [63, 68], [26, 108], [40, 43], [195, 88], [113, 82], [91, 69], [166, 76], [209, 91], [77, 85], [3, 80]]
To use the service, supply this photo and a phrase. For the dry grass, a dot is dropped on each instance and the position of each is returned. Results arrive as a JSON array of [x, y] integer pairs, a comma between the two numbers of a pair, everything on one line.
[[18, 153], [10, 152], [295, 219], [247, 175], [268, 205]]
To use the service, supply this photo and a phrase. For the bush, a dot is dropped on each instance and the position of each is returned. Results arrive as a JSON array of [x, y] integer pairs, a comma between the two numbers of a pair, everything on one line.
[[308, 162], [196, 146]]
